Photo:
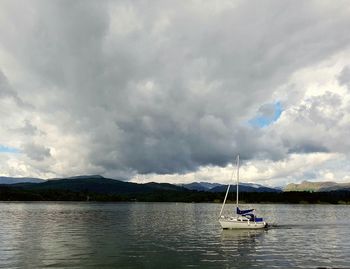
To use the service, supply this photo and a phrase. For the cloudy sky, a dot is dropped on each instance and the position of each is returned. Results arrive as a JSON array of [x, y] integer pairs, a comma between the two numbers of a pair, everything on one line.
[[172, 91]]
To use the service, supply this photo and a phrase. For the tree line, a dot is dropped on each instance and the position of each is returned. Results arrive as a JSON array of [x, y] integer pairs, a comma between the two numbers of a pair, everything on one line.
[[8, 193]]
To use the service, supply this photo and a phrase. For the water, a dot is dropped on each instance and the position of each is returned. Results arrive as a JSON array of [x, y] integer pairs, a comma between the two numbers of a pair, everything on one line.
[[169, 235]]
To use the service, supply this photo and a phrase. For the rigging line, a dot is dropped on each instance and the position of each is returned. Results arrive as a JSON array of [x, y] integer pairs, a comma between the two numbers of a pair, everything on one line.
[[228, 189]]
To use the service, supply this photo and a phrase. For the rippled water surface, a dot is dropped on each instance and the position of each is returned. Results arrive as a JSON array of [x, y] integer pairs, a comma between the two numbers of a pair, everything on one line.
[[169, 235]]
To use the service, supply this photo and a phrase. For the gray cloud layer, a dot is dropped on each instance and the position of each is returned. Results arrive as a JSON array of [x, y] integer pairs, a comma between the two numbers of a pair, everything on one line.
[[165, 87]]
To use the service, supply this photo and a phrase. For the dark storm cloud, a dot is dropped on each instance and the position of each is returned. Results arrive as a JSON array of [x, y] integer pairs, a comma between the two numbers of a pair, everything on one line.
[[165, 87]]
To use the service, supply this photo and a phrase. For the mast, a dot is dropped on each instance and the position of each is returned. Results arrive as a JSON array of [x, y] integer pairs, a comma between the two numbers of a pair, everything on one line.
[[237, 182], [227, 191]]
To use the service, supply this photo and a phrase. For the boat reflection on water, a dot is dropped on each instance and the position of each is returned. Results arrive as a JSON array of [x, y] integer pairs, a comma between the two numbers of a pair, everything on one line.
[[242, 235], [240, 247]]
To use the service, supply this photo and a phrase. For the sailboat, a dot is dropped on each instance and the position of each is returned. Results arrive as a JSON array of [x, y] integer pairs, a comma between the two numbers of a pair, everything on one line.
[[244, 219]]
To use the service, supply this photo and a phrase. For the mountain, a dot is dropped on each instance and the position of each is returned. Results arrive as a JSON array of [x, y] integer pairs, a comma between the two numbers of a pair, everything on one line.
[[200, 186], [102, 185], [209, 185], [98, 184], [338, 187], [84, 177], [216, 187], [317, 186], [15, 180], [87, 184], [245, 187], [164, 186], [98, 188]]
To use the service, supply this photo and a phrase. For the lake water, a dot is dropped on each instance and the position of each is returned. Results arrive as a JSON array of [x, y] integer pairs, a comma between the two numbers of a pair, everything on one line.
[[169, 235]]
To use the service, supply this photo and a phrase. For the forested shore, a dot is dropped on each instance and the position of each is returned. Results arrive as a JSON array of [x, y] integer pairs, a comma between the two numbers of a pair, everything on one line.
[[8, 193]]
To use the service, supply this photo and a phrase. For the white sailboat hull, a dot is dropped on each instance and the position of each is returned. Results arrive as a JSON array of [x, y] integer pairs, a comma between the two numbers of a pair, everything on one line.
[[233, 223], [245, 219]]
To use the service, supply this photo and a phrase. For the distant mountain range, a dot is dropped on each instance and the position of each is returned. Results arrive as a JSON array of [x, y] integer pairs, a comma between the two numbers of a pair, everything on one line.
[[200, 186], [245, 187], [15, 180], [215, 187], [100, 184], [317, 186], [97, 184]]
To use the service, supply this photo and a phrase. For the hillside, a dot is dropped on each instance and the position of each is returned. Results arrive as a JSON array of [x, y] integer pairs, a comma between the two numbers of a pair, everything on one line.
[[317, 186], [96, 184], [244, 188], [98, 188], [200, 186], [164, 186], [102, 185], [338, 187]]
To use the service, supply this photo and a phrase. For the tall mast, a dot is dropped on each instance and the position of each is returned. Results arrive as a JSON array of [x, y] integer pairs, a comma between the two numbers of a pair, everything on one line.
[[227, 191], [237, 181]]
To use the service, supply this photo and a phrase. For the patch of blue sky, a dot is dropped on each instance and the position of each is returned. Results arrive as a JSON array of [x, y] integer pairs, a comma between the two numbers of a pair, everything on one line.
[[6, 149], [264, 121]]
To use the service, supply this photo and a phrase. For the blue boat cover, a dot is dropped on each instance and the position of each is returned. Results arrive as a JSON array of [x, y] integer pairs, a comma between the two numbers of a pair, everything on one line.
[[242, 212], [252, 217]]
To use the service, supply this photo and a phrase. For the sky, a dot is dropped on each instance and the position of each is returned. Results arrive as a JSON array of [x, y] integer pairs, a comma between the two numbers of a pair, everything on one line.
[[172, 91]]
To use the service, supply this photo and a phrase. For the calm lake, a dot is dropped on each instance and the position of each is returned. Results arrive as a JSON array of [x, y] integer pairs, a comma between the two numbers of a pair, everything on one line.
[[169, 235]]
